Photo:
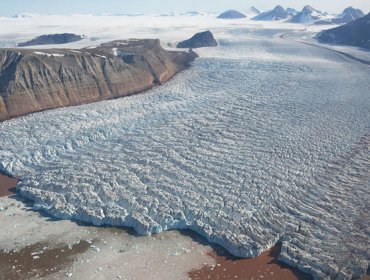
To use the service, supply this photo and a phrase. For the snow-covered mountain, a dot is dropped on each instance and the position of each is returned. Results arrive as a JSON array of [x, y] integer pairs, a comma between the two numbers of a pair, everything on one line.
[[308, 15], [232, 14], [252, 12], [355, 33], [349, 14], [278, 13], [291, 11]]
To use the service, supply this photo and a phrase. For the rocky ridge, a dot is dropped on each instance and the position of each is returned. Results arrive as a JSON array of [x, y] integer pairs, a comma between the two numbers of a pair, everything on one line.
[[34, 80], [355, 33], [52, 39]]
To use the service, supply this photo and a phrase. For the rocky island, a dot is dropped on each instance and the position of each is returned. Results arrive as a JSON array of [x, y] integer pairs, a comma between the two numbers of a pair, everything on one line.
[[199, 40], [34, 80]]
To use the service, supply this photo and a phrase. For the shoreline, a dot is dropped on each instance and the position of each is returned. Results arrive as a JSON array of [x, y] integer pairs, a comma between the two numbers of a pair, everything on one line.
[[225, 266], [265, 266], [34, 245], [19, 261]]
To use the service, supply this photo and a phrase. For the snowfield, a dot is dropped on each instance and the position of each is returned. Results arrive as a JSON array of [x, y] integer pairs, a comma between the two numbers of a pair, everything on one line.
[[262, 140]]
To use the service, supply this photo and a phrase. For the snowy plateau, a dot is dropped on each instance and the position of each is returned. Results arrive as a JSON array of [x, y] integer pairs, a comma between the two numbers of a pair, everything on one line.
[[262, 140]]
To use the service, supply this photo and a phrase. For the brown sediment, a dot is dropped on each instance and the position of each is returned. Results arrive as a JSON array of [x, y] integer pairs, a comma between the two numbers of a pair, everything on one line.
[[7, 185], [266, 267], [38, 260]]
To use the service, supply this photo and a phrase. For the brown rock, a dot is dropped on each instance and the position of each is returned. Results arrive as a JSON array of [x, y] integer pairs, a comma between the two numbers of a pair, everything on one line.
[[35, 80]]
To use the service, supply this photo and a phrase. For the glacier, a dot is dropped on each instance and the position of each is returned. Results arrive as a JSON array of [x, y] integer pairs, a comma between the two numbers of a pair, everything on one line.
[[262, 141]]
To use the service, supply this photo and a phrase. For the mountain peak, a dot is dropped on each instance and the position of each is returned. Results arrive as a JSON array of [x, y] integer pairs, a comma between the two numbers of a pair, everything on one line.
[[307, 15], [308, 8], [278, 13], [253, 9], [232, 14], [279, 8], [351, 11]]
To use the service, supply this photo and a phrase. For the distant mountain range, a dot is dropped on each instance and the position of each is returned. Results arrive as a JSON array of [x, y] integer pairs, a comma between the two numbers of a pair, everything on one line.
[[278, 13], [26, 15], [348, 15], [355, 33], [309, 15]]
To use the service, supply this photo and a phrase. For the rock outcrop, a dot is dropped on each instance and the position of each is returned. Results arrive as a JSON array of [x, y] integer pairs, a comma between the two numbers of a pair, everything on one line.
[[231, 14], [52, 39], [199, 40], [34, 80], [355, 33]]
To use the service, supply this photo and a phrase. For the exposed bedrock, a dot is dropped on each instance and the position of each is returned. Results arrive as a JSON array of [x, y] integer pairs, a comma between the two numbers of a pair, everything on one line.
[[199, 40], [32, 80], [52, 39]]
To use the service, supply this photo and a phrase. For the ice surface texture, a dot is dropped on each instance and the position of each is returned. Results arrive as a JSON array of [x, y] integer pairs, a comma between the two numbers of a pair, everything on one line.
[[261, 141]]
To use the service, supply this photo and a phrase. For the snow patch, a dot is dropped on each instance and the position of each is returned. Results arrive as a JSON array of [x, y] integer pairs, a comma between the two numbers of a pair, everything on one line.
[[50, 54], [101, 56]]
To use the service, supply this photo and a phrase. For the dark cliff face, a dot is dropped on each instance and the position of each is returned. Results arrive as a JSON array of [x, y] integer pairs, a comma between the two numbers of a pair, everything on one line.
[[35, 80], [355, 33], [52, 39], [199, 40]]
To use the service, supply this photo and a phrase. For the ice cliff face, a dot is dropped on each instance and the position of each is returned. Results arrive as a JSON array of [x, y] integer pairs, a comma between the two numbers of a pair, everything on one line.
[[263, 140], [33, 80]]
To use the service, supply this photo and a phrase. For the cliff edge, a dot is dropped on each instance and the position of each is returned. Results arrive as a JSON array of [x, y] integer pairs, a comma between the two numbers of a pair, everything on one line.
[[36, 80]]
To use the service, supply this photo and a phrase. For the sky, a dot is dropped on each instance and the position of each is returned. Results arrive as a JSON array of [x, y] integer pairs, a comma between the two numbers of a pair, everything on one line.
[[12, 7]]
